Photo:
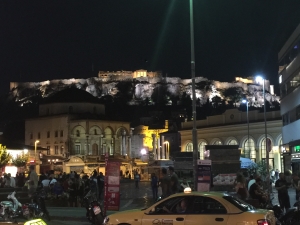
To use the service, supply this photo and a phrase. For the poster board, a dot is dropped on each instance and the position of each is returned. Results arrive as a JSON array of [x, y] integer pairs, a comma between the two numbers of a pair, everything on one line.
[[112, 186], [204, 175]]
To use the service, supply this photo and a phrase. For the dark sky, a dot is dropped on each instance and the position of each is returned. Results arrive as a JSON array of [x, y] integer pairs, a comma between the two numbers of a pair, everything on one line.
[[44, 40]]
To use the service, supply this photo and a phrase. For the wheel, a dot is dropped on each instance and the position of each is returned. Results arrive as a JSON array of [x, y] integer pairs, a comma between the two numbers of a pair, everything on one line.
[[6, 215], [98, 219]]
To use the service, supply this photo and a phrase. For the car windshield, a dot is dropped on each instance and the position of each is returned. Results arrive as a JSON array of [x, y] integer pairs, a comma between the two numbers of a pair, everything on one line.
[[240, 204]]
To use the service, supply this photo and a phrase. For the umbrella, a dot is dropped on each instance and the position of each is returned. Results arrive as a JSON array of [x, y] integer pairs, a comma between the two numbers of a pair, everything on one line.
[[245, 162]]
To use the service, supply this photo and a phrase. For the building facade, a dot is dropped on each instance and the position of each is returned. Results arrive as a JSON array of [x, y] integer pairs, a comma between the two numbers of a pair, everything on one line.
[[289, 81], [70, 124], [231, 128]]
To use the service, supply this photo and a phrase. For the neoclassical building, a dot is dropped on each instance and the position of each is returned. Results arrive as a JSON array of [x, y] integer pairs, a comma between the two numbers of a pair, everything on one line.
[[231, 128], [72, 122]]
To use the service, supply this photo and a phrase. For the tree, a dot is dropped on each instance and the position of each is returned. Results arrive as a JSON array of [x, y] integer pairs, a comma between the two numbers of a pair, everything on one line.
[[233, 94], [4, 156], [20, 160]]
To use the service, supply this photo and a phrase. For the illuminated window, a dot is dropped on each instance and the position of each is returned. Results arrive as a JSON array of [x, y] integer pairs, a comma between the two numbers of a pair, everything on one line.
[[201, 149], [217, 142], [263, 148], [249, 149], [189, 147], [232, 142]]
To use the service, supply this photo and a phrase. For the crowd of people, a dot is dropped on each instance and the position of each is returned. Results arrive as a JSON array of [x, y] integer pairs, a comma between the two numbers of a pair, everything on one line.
[[72, 186], [253, 188], [169, 183]]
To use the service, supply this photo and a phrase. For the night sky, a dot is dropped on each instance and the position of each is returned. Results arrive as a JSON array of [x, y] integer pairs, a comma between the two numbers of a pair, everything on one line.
[[44, 40]]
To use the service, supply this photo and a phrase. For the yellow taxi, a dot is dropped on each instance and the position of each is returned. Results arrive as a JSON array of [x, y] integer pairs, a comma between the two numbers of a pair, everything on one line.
[[195, 208], [30, 222]]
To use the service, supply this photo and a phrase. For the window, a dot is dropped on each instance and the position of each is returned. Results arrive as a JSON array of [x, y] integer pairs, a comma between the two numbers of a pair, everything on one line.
[[189, 147], [206, 205], [249, 149], [172, 204], [31, 136], [95, 131], [55, 149], [48, 134], [202, 149], [285, 119], [61, 133], [217, 142], [232, 142], [77, 133], [61, 149], [48, 150], [56, 133], [39, 135], [77, 149], [263, 149]]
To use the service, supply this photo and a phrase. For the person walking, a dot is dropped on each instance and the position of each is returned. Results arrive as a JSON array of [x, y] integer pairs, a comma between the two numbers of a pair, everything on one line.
[[282, 186], [165, 183], [296, 185], [174, 180], [276, 174], [136, 179], [154, 186], [33, 177]]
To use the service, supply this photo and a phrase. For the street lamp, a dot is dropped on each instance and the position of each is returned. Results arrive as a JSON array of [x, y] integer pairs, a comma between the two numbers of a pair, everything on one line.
[[245, 101], [35, 143], [260, 79], [194, 132]]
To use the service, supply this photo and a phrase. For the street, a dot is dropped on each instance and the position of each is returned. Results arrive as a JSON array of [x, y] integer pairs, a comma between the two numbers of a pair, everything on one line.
[[131, 198]]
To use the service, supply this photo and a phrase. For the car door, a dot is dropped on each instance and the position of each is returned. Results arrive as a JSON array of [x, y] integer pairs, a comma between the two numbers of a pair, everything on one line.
[[158, 216], [207, 210]]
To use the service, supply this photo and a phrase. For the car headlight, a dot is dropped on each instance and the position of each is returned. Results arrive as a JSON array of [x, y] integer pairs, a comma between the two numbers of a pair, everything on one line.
[[106, 220]]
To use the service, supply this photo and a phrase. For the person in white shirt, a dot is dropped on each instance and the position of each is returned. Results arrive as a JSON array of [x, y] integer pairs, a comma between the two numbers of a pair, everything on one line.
[[251, 181], [12, 181]]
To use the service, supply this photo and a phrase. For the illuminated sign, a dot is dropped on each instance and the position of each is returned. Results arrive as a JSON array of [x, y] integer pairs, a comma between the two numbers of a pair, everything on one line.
[[297, 148]]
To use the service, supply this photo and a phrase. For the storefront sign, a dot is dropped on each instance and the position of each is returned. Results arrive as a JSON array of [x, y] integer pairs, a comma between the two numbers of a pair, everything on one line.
[[112, 186], [204, 175]]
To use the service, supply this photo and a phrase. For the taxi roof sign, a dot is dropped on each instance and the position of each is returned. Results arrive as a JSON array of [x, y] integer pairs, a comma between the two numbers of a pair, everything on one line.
[[35, 222]]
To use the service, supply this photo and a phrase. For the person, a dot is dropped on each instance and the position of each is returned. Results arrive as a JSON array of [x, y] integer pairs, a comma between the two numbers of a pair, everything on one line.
[[174, 180], [256, 192], [136, 179], [240, 187], [282, 186], [272, 176], [33, 176], [72, 193], [154, 186], [180, 208], [12, 181], [251, 181], [165, 183], [276, 174], [100, 181], [296, 185]]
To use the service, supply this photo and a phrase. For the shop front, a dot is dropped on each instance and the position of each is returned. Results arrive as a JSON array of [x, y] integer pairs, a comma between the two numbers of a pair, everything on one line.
[[74, 163]]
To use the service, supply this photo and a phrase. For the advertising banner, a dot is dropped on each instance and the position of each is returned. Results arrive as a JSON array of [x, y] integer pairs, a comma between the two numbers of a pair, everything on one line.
[[112, 186], [204, 175], [224, 179]]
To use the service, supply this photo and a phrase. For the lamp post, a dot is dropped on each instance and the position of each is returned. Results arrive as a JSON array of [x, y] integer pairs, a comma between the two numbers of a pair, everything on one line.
[[35, 145], [262, 80], [246, 102], [194, 132]]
